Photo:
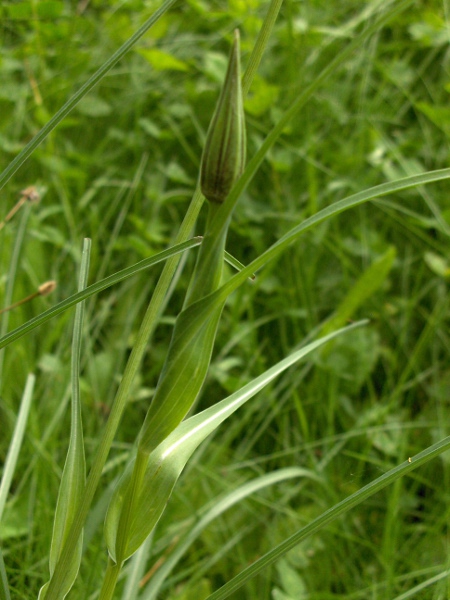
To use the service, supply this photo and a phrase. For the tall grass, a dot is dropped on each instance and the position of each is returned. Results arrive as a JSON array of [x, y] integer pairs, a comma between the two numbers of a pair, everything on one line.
[[329, 476]]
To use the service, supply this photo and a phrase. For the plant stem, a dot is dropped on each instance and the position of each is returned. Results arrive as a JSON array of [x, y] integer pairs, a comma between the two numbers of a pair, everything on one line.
[[260, 45], [110, 580]]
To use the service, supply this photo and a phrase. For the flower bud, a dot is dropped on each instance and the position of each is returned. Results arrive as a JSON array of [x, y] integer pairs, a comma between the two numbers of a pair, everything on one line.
[[47, 288], [223, 157]]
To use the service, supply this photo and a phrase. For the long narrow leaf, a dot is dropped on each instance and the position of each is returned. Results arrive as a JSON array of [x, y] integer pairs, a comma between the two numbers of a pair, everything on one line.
[[237, 495], [291, 236], [331, 515], [75, 99], [95, 288], [10, 465], [74, 473], [168, 460], [414, 592], [16, 442]]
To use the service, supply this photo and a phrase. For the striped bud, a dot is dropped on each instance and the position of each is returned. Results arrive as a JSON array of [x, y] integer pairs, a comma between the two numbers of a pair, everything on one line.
[[223, 157]]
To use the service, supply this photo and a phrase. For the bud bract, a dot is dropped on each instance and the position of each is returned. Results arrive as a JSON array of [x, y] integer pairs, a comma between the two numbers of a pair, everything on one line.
[[223, 157]]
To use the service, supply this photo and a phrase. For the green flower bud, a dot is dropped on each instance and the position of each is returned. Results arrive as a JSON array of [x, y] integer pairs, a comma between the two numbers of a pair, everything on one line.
[[223, 157]]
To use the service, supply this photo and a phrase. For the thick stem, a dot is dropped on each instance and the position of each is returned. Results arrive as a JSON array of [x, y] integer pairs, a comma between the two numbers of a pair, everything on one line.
[[110, 580], [209, 266]]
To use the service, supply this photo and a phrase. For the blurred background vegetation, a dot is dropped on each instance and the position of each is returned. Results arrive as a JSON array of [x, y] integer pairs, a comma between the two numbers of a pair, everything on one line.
[[121, 169]]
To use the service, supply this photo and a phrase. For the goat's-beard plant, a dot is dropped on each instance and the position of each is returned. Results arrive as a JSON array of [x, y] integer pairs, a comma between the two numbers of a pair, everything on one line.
[[166, 441], [190, 350]]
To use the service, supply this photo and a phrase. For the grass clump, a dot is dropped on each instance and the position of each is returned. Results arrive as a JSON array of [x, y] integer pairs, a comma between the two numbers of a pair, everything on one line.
[[346, 143]]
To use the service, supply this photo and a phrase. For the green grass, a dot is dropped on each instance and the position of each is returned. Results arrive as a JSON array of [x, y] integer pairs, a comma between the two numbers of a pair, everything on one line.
[[121, 169]]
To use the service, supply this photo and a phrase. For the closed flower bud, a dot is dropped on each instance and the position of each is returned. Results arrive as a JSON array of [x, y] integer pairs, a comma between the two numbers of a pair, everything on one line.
[[223, 157], [47, 288]]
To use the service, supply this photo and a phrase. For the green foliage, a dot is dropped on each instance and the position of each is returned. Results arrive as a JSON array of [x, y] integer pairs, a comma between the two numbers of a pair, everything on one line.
[[120, 168]]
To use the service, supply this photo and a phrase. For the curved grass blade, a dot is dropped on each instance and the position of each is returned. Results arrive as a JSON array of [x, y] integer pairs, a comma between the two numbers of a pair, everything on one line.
[[414, 592], [218, 509], [291, 236], [260, 44], [167, 461], [329, 516], [74, 473], [95, 288], [75, 99]]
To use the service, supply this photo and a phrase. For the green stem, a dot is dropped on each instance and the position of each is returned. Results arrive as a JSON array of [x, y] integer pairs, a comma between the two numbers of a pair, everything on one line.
[[208, 269], [110, 580], [260, 45]]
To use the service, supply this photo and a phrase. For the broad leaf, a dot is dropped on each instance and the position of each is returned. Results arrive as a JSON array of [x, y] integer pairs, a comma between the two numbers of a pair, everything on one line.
[[169, 458]]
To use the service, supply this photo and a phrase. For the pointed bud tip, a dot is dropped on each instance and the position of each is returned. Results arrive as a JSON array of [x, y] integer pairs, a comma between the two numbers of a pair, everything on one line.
[[223, 157]]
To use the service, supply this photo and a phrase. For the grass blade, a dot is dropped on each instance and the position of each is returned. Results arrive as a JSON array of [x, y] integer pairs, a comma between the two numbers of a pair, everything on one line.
[[75, 99], [260, 44], [16, 442], [331, 515], [237, 495], [421, 586], [95, 288], [372, 193], [10, 465], [74, 474]]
